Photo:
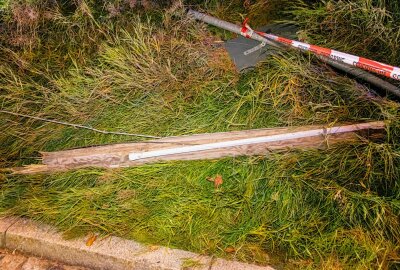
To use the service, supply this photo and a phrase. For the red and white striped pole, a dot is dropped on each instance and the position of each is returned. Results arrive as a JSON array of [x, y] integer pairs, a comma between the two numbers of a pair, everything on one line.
[[360, 62]]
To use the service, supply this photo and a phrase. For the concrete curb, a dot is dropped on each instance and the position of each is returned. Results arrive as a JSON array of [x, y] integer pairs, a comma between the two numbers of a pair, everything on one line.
[[111, 253], [11, 260]]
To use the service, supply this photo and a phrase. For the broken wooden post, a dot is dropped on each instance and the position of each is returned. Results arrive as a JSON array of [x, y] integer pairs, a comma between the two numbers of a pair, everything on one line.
[[202, 146]]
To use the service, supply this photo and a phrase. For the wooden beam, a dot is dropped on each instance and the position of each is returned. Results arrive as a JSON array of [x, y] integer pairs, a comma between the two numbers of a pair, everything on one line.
[[117, 155]]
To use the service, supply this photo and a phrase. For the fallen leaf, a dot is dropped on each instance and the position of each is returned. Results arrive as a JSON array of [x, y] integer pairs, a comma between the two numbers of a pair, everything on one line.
[[230, 249], [91, 240], [218, 181]]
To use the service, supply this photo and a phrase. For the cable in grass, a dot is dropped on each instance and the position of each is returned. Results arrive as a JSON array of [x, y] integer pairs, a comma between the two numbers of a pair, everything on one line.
[[98, 130], [80, 126]]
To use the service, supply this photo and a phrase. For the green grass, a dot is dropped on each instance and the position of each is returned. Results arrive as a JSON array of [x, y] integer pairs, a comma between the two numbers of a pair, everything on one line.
[[157, 73]]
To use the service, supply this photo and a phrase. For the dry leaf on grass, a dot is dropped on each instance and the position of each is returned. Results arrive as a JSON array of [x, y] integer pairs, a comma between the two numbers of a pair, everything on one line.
[[230, 249], [217, 180]]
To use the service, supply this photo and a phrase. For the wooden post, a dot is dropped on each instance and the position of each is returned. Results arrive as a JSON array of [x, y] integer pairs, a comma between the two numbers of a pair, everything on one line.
[[117, 155]]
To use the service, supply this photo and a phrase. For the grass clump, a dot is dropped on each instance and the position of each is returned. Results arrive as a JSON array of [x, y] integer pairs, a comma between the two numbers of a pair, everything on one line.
[[161, 74], [146, 59]]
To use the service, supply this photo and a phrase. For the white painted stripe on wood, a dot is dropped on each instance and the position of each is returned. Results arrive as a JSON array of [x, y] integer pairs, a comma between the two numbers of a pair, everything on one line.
[[256, 140]]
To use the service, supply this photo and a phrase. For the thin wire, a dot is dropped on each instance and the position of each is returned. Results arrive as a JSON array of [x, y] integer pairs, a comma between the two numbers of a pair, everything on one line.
[[99, 130], [79, 126]]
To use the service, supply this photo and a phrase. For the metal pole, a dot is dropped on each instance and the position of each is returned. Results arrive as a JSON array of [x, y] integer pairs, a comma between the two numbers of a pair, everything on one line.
[[363, 75], [228, 26]]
